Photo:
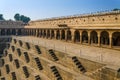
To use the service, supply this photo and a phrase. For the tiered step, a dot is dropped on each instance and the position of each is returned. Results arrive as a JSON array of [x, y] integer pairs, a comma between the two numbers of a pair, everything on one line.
[[21, 43], [27, 45], [10, 57], [51, 52], [15, 41], [13, 48], [17, 63], [56, 73], [38, 63], [38, 49], [7, 68], [26, 57], [37, 77], [19, 52], [13, 76], [78, 64], [26, 71]]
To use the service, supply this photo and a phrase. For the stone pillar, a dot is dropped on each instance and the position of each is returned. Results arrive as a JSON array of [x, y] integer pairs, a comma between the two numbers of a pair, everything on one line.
[[50, 34], [60, 34], [98, 38], [55, 33], [72, 34], [88, 37], [36, 32], [65, 35], [80, 37], [110, 40]]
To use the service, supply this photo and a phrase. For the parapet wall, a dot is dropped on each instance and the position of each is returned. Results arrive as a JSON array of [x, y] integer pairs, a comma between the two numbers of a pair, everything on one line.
[[92, 20]]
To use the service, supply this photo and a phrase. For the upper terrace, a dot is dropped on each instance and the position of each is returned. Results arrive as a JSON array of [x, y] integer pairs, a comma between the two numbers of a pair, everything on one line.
[[98, 19]]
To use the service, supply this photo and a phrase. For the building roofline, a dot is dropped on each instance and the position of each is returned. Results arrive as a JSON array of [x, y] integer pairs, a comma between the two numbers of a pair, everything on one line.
[[81, 15]]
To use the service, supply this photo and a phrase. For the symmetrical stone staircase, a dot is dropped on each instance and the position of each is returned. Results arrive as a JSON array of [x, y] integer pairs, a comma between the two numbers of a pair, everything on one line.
[[26, 61]]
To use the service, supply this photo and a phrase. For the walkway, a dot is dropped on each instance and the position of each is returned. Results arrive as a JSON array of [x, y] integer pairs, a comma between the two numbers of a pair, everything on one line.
[[107, 56]]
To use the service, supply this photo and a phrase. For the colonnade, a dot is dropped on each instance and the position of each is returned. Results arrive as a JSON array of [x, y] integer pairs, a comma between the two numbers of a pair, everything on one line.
[[105, 38], [7, 31]]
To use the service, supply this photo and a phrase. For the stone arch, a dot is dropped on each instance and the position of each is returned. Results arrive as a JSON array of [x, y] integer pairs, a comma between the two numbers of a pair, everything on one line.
[[63, 34], [85, 37], [52, 34], [44, 33], [94, 37], [3, 32], [77, 36], [104, 38], [8, 32], [69, 36], [35, 32], [48, 33], [13, 32], [58, 34], [116, 39]]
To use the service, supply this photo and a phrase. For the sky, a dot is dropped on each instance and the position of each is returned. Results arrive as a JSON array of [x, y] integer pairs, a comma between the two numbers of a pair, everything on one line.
[[40, 9]]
